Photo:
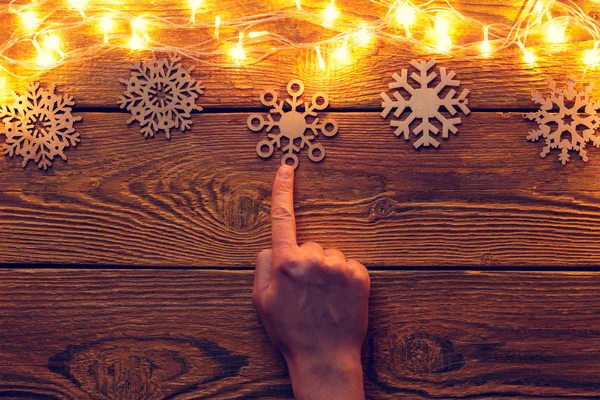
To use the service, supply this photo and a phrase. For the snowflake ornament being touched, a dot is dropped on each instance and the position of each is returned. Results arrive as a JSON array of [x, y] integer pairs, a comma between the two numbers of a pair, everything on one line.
[[295, 126], [161, 95], [426, 102], [39, 126], [567, 120]]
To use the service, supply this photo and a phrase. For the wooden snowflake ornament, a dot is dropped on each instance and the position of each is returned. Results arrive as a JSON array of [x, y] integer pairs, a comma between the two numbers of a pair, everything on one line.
[[161, 95], [425, 103], [572, 115], [295, 126], [39, 126]]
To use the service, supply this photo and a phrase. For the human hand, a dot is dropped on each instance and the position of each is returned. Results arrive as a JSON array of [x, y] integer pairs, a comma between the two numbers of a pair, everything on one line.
[[313, 304]]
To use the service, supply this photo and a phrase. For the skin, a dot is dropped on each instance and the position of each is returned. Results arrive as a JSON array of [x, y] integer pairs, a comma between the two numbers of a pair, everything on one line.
[[313, 304]]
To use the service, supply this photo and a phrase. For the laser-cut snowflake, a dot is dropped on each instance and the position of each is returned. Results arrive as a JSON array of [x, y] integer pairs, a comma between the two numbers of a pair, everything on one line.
[[161, 95], [297, 125], [573, 112], [39, 125], [425, 103]]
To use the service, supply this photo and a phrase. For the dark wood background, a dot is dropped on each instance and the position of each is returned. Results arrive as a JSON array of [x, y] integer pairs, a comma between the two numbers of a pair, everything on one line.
[[483, 255]]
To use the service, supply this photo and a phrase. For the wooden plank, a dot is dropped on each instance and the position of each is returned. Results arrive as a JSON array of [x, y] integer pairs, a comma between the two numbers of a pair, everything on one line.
[[484, 198], [503, 81], [186, 334]]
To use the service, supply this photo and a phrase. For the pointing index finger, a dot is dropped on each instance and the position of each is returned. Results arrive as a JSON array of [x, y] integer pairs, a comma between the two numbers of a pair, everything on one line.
[[283, 221]]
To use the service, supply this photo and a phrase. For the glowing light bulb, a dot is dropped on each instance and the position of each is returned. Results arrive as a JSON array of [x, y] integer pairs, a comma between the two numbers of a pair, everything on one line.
[[45, 59], [107, 25], [194, 4], [30, 20], [52, 43], [405, 16], [298, 5], [591, 57], [442, 26], [237, 52], [528, 56], [342, 55], [320, 60], [486, 48], [555, 32], [79, 5], [254, 35], [139, 35], [363, 36], [217, 26], [330, 13]]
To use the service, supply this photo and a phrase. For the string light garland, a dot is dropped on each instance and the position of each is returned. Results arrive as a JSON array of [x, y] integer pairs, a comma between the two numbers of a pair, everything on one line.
[[427, 27]]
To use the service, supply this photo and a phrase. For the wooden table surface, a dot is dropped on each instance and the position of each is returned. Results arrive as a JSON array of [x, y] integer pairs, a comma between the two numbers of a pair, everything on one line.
[[128, 269]]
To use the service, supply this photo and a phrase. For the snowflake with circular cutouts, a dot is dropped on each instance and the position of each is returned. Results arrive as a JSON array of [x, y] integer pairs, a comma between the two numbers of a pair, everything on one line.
[[573, 115], [39, 125], [296, 126], [426, 103], [161, 95]]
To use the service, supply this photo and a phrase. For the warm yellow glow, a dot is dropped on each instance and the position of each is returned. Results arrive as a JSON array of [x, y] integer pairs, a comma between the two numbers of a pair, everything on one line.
[[237, 52], [139, 35], [45, 59], [52, 43], [555, 32], [330, 13], [195, 5], [486, 47], [442, 27], [405, 16], [528, 56], [320, 60], [217, 26], [298, 5], [3, 86], [342, 55], [79, 5], [591, 57], [107, 25], [30, 20], [254, 35], [363, 36]]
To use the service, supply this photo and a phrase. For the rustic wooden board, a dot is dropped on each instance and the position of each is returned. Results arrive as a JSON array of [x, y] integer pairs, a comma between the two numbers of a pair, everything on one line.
[[485, 197], [186, 334], [503, 81]]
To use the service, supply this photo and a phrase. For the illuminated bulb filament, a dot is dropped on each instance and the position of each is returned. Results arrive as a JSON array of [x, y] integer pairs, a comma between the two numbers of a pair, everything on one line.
[[363, 36], [238, 53], [30, 20], [107, 25], [405, 16], [528, 56], [254, 35], [298, 5], [444, 43], [52, 42], [195, 4], [592, 57], [330, 13], [555, 32], [217, 26], [139, 36], [486, 48], [341, 54]]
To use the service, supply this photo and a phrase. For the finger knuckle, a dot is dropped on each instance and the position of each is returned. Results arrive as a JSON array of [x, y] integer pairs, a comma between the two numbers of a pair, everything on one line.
[[315, 260], [289, 261], [282, 213]]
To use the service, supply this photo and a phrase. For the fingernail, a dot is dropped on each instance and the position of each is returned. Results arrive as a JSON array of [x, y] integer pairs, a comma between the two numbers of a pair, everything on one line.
[[285, 172]]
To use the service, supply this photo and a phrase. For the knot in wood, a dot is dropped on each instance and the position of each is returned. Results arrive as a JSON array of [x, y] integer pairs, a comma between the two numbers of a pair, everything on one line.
[[241, 210], [427, 353], [382, 208]]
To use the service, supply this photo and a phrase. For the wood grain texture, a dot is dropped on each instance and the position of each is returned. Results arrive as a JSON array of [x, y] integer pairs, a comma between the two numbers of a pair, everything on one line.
[[184, 334], [503, 81], [484, 198]]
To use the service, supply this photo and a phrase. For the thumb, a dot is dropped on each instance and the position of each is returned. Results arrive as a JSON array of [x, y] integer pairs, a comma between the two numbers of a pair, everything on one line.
[[262, 275]]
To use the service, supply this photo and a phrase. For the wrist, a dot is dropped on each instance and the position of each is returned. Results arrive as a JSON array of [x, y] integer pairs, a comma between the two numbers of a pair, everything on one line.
[[329, 376]]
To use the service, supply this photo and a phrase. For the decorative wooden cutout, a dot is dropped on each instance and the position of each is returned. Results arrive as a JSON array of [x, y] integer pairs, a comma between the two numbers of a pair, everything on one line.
[[161, 95], [297, 125], [39, 125], [574, 115], [425, 103]]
